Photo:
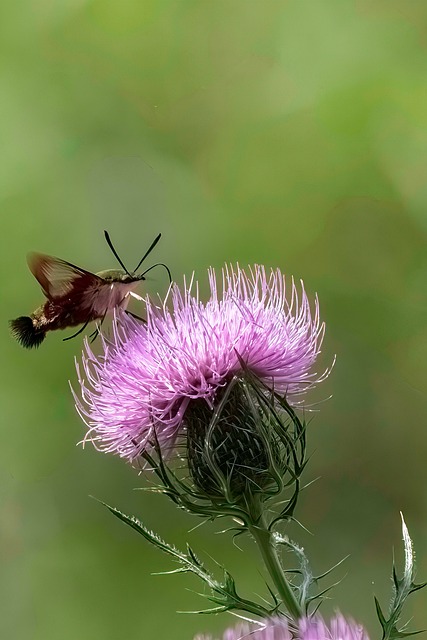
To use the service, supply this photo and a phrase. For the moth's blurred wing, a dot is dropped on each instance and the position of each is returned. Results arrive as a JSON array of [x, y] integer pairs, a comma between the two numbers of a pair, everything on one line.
[[61, 279]]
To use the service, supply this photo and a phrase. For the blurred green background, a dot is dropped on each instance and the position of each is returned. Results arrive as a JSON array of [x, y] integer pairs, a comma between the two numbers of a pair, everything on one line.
[[292, 134]]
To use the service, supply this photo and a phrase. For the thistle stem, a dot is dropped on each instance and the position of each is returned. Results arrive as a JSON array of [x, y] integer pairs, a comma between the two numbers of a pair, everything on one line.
[[266, 544]]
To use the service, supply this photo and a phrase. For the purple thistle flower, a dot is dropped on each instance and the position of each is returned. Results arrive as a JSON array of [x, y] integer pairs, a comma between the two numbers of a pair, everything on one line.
[[339, 628], [273, 629], [308, 629], [150, 372]]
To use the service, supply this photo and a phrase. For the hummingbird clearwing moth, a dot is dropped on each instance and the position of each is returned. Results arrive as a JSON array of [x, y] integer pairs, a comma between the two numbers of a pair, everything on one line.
[[75, 296]]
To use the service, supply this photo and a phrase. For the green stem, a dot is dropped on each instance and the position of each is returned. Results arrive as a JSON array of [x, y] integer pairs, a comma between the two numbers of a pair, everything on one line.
[[265, 541]]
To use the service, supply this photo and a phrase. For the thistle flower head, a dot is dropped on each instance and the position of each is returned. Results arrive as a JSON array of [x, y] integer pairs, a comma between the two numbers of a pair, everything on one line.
[[149, 373], [339, 628]]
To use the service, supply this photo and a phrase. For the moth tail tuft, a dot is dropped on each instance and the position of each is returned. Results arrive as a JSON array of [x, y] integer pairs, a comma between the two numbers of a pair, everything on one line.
[[26, 333]]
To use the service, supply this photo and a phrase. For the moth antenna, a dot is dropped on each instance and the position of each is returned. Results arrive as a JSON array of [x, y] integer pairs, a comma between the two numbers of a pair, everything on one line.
[[158, 264], [110, 244], [153, 244]]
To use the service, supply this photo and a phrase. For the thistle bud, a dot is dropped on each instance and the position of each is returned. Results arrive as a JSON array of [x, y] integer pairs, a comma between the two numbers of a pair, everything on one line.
[[231, 449]]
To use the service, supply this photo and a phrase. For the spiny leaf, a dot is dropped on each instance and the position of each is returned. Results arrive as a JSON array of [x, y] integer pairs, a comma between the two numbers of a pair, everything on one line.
[[403, 587], [224, 593], [380, 614], [326, 573]]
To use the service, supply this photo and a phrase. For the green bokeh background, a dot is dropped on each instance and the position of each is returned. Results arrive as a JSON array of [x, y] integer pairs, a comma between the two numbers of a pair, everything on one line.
[[292, 134]]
